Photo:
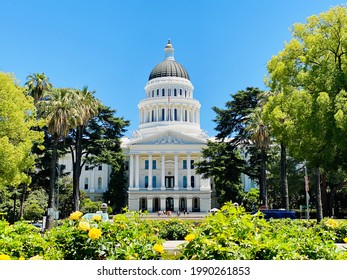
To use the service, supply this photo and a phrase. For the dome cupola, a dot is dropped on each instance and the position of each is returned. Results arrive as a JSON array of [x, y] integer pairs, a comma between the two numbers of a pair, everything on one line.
[[169, 67]]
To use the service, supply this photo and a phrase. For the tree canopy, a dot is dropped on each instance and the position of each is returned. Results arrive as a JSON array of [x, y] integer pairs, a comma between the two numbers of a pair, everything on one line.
[[17, 118]]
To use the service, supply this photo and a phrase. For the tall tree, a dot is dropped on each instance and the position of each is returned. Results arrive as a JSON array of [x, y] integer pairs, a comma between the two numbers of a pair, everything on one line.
[[259, 134], [312, 67], [88, 107], [223, 158], [17, 118], [99, 142], [37, 84], [59, 109]]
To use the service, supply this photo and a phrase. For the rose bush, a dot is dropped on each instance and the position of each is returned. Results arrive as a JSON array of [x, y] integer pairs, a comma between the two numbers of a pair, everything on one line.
[[232, 234]]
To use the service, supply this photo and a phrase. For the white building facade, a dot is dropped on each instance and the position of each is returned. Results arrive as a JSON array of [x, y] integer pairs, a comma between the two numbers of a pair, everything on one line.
[[162, 152]]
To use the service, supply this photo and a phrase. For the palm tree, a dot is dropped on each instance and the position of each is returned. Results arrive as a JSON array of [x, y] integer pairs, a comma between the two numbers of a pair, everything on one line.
[[37, 84], [260, 136], [88, 108], [58, 108]]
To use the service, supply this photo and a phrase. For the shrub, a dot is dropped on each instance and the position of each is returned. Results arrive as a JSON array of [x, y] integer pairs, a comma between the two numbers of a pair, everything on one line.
[[231, 234], [20, 240]]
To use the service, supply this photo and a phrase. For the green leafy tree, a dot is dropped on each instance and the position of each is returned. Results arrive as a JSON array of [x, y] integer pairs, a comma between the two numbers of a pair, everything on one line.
[[309, 75], [100, 141], [223, 163], [224, 158], [17, 118], [116, 194]]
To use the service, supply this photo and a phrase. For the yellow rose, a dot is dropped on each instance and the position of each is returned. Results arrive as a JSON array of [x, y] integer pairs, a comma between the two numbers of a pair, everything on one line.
[[4, 257], [84, 225], [75, 215], [331, 223], [158, 248], [96, 218], [189, 237], [345, 240], [94, 233]]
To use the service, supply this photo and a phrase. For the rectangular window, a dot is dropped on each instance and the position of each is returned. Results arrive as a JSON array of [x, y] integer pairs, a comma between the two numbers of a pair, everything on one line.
[[192, 164], [100, 167], [184, 164], [154, 164], [146, 164], [86, 167]]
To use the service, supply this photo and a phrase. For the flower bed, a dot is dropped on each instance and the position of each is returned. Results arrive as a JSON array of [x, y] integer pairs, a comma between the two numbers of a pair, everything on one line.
[[230, 234]]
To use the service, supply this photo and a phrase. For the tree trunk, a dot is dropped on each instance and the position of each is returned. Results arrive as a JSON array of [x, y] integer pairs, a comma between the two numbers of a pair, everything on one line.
[[319, 208], [22, 200], [284, 180], [77, 169], [263, 191], [324, 194], [50, 210]]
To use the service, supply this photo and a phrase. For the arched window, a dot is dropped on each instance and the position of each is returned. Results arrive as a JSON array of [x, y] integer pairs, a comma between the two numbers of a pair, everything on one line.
[[175, 114], [163, 114], [180, 92], [175, 92], [157, 92], [163, 92], [185, 182], [86, 181], [185, 93], [152, 93], [192, 181], [99, 183], [146, 182], [154, 181]]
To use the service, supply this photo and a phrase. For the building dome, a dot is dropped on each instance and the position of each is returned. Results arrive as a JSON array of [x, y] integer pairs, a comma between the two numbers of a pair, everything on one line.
[[169, 67]]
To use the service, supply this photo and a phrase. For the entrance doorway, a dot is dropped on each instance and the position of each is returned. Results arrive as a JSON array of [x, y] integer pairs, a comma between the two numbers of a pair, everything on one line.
[[169, 204], [183, 204], [156, 204]]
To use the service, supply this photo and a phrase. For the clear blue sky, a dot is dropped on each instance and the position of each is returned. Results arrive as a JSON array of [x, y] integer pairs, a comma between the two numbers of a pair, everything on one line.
[[112, 46]]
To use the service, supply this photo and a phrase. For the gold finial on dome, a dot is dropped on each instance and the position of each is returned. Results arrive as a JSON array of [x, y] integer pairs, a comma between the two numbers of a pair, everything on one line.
[[168, 45], [169, 51]]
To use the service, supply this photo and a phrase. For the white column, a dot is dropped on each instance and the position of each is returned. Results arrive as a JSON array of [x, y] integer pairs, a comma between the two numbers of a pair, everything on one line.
[[181, 113], [150, 168], [149, 204], [176, 203], [137, 171], [131, 171], [189, 204], [163, 172], [176, 172], [162, 203], [189, 173]]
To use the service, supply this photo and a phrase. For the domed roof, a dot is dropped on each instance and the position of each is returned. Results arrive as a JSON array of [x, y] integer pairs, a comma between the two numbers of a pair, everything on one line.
[[169, 67]]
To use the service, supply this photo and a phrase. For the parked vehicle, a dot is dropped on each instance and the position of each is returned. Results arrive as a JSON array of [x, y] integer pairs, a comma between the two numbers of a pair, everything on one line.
[[277, 214]]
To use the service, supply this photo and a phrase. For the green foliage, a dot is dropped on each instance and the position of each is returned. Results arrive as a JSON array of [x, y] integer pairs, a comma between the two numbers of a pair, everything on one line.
[[173, 229], [20, 240], [17, 118], [231, 234]]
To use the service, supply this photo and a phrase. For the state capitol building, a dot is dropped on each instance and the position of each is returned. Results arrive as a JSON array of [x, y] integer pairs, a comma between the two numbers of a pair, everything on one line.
[[161, 153]]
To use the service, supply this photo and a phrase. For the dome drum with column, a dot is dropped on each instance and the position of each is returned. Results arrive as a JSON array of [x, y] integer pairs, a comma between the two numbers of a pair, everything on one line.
[[167, 143]]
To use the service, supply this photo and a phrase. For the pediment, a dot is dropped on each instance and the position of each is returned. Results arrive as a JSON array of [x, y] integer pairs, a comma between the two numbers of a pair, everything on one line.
[[169, 138]]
